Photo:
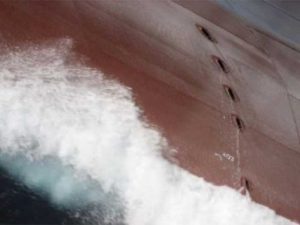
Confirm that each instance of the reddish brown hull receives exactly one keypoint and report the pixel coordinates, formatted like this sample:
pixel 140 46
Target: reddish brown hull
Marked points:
pixel 247 135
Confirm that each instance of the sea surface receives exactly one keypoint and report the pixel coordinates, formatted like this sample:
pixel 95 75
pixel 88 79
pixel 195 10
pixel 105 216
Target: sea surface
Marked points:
pixel 74 149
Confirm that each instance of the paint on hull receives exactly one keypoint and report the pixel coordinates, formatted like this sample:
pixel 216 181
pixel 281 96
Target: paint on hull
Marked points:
pixel 179 58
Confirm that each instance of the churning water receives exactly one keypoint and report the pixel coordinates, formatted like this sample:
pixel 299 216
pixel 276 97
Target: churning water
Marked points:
pixel 77 139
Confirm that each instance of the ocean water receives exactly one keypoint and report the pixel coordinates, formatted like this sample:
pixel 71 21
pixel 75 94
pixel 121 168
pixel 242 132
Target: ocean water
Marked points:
pixel 20 205
pixel 74 149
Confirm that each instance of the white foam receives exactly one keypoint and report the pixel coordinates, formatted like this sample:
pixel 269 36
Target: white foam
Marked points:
pixel 68 131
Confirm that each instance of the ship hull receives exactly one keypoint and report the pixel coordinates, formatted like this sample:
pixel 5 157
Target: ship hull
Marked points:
pixel 223 93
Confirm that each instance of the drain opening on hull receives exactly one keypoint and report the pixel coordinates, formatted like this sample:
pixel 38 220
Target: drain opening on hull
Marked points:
pixel 239 123
pixel 230 93
pixel 221 64
pixel 245 185
pixel 206 33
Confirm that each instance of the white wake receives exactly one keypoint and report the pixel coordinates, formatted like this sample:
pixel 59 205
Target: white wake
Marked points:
pixel 75 136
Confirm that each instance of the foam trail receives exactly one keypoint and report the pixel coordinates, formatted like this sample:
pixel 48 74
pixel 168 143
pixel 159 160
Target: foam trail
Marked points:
pixel 66 130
